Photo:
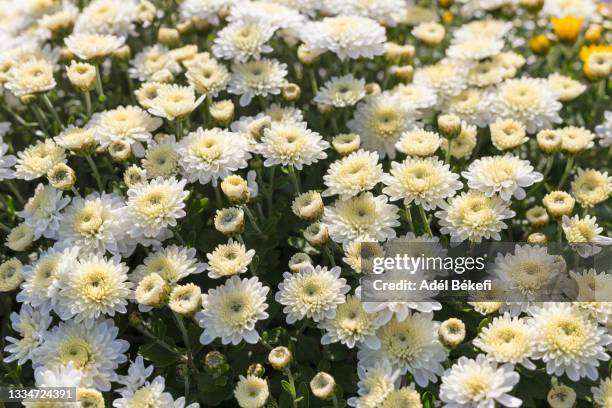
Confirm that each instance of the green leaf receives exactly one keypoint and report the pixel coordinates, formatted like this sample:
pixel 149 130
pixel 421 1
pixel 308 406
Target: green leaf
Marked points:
pixel 159 355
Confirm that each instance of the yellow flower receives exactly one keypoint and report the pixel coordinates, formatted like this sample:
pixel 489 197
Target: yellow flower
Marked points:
pixel 539 44
pixel 567 28
pixel 587 50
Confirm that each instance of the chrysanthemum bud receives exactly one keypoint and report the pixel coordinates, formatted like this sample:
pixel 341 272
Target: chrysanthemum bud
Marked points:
pixel 567 28
pixel 308 206
pixel 134 176
pixel 251 392
pixel 61 176
pixel 598 66
pixel 20 238
pixel 537 238
pixel 593 33
pixel 537 216
pixel 533 6
pixel 316 234
pixel 448 17
pixel 306 56
pixel 229 221
pixel 200 24
pixel 122 53
pixel 214 360
pixel 451 332
pixel 222 112
pixel 299 261
pixel 324 108
pixel 256 128
pixel 558 203
pixel 549 141
pixel 66 55
pixel 82 75
pixel 279 358
pixel 90 398
pixel 119 150
pixel 403 73
pixel 445 3
pixel 372 88
pixel 186 299
pixel 539 44
pixel 163 75
pixel 145 12
pixel 27 99
pixel 346 143
pixel 449 126
pixel 430 33
pixel 235 189
pixel 561 396
pixel 291 92
pixel 395 53
pixel 256 370
pixel 323 385
pixel 152 290
pixel 168 36
pixel 507 134
pixel 11 274
pixel 184 27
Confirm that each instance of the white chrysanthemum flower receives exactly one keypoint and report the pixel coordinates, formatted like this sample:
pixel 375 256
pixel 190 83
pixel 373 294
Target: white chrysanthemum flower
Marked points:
pixel 412 346
pixel 416 97
pixel 172 263
pixel 358 172
pixel 205 10
pixel 76 139
pixel 208 77
pixel 487 73
pixel 470 105
pixel 485 28
pixel 478 384
pixel 291 144
pixel 575 139
pixel 155 206
pixel 92 346
pixel 94 224
pixel 36 160
pixel 174 101
pixel 347 36
pixel 6 162
pixel 361 217
pixel 376 381
pixel 385 11
pixel 591 187
pixel 107 17
pixel 93 286
pixel 574 8
pixel 604 131
pixel 419 143
pixel 584 234
pixel 257 78
pixel 276 13
pixel 567 88
pixel 429 32
pixel 93 46
pixel 31 325
pixel 463 145
pixel 207 155
pixel 313 292
pixel 504 175
pixel 351 326
pixel 602 394
pixel 42 211
pixel 507 340
pixel 380 121
pixel 53 376
pixel 243 39
pixel 530 101
pixel 568 341
pixel 446 79
pixel 229 259
pixel 232 310
pixel 425 181
pixel 152 60
pixel 341 91
pixel 136 376
pixel 161 157
pixel 149 394
pixel 474 216
pixel 31 77
pixel 593 294
pixel 251 392
pixel 474 49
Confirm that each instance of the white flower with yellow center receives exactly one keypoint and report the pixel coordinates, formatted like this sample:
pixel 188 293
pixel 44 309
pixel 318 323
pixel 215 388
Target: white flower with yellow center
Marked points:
pixel 229 259
pixel 174 101
pixel 507 134
pixel 92 346
pixel 361 217
pixel 257 78
pixel 243 39
pixel 359 255
pixel 478 384
pixel 279 14
pixel 33 76
pixel 313 292
pixel 347 36
pixel 152 60
pixel 504 175
pixel 446 79
pixel 591 187
pixel 172 263
pixel 583 234
pixel 76 139
pixel 36 160
pixel 576 8
pixel 352 325
pixel 161 157
pixel 411 346
pixel 376 381
pixel 209 77
pixel 419 143
pixel 251 392
pixel 425 181
pixel 31 325
pixel 485 28
pixel 207 155
pixel 384 11
pixel 474 49
pixel 155 206
pixel 463 145
pixel 406 397
pixel 232 310
pixel 568 341
pixel 575 139
pixel 474 216
pixel 593 294
pixel 602 394
pixel 470 105
pixel 6 162
pixel 429 32
pixel 42 211
pixel 93 46
pixel 351 175
pixel 93 286
pixel 604 130
pixel 107 17
pixel 486 73
pixel 291 144
pixel 205 10
pixel 567 88
pixel 416 97
pixel 380 121
pixel 341 91
pixel 530 101
pixel 150 394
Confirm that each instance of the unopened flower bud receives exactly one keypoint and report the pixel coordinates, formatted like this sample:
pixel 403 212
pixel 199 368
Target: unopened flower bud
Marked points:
pixel 152 290
pixel 186 299
pixel 291 92
pixel 184 53
pixel 539 44
pixel 230 221
pixel 11 274
pixel 222 112
pixel 308 206
pixel 66 55
pixel 533 6
pixel 200 24
pixel 403 73
pixel 90 397
pixel 256 128
pixel 549 141
pixel 561 396
pixel 163 75
pixel 20 238
pixel 184 26
pixel 27 99
pixel 372 88
pixel 145 12
pixel 324 108
pixel 448 17
pixel 168 36
pixel 316 234
pixel 306 56
pixel 134 176
pixel 82 75
pixel 235 189
pixel 346 143
pixel 593 33
pixel 119 150
pixel 537 238
pixel 323 386
pixel 299 261
pixel 449 126
pixel 256 370
pixel 122 53
pixel 279 358
pixel 61 176
pixel 214 360
pixel 558 203
pixel 445 4
pixel 451 332
pixel 395 53
pixel 537 216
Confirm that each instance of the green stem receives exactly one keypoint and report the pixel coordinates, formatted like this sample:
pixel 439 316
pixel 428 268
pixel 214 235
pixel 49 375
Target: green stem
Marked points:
pixel 156 339
pixel 292 382
pixel 569 165
pixel 294 180
pixel 409 219
pixel 559 231
pixel 335 401
pixel 218 196
pixel 253 221
pixel 270 190
pixel 15 191
pixel 181 325
pixel 447 154
pixel 87 95
pixel 96 173
pixel 99 89
pixel 56 117
pixel 330 256
pixel 425 221
pixel 179 129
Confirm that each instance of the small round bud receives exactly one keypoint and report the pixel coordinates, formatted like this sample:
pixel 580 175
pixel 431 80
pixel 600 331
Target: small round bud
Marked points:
pixel 537 217
pixel 306 56
pixel 200 24
pixel 90 398
pixel 372 88
pixel 308 206
pixel 449 126
pixel 403 73
pixel 122 53
pixel 27 99
pixel 537 238
pixel 229 221
pixel 451 332
pixel 558 203
pixel 575 140
pixel 291 92
pixel 61 176
pixel 346 143
pixel 184 53
pixel 152 290
pixel 66 55
pixel 81 75
pixel 567 28
pixel 163 75
pixel 593 33
pixel 299 261
pixel 324 108
pixel 256 370
pixel 235 189
pixel 20 238
pixel 11 274
pixel 448 17
pixel 168 36
pixel 323 385
pixel 316 234
pixel 533 6
pixel 395 53
pixel 445 4
pixel 279 358
pixel 145 12
pixel 119 150
pixel 184 27
pixel 256 128
pixel 134 175
pixel 186 299
pixel 539 44
pixel 222 112
pixel 561 396
pixel 549 141
pixel 214 360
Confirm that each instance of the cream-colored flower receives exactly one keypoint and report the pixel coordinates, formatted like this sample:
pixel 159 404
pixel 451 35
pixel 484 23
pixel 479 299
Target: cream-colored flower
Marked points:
pixel 507 134
pixel 567 88
pixel 31 77
pixel 36 160
pixel 185 299
pixel 93 46
pixel 229 259
pixel 174 101
pixel 356 173
pixel 420 143
pixel 591 187
pixel 251 392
